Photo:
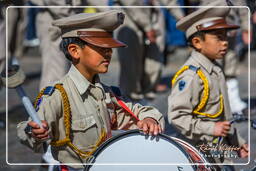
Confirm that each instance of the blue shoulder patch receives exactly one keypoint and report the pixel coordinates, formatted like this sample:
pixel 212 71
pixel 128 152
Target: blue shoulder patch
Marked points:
pixel 193 68
pixel 49 90
pixel 182 84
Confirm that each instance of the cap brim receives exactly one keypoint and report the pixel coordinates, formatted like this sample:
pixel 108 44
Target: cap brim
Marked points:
pixel 221 26
pixel 105 42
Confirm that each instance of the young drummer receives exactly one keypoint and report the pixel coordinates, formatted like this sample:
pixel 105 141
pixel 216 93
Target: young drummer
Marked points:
pixel 198 105
pixel 79 111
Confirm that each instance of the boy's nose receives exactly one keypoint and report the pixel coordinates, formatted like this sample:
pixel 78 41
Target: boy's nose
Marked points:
pixel 225 43
pixel 108 51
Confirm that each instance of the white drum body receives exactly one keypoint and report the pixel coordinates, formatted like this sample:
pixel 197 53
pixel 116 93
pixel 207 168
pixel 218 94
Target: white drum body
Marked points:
pixel 133 151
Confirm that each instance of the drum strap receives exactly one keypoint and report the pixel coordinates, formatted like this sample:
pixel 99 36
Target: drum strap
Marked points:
pixel 123 105
pixel 67 122
pixel 67 168
pixel 206 91
pixel 63 168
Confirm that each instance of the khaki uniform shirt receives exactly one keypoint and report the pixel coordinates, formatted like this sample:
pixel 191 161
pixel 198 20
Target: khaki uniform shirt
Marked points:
pixel 92 107
pixel 184 99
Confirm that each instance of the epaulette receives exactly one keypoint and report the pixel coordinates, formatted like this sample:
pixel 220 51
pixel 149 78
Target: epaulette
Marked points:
pixel 193 68
pixel 46 91
pixel 49 90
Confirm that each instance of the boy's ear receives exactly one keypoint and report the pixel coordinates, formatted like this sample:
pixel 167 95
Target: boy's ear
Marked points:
pixel 74 50
pixel 197 43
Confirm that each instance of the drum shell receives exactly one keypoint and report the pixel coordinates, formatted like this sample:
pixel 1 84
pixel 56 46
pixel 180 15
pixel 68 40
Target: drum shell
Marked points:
pixel 133 160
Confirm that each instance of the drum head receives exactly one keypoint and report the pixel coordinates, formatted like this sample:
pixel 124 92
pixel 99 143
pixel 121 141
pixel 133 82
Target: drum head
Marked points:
pixel 135 149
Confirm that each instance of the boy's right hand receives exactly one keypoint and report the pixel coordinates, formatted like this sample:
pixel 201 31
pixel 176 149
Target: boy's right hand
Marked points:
pixel 37 132
pixel 221 128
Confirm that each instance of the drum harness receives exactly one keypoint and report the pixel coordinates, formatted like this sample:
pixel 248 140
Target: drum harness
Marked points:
pixel 67 122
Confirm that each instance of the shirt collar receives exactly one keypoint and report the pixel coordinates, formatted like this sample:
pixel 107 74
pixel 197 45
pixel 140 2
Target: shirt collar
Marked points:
pixel 80 81
pixel 206 63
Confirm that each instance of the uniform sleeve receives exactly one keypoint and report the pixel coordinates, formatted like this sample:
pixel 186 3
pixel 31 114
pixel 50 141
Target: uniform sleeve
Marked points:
pixel 141 16
pixel 183 99
pixel 49 110
pixel 126 121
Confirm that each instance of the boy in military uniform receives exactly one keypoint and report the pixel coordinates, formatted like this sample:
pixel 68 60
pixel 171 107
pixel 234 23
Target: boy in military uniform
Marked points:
pixel 198 105
pixel 79 112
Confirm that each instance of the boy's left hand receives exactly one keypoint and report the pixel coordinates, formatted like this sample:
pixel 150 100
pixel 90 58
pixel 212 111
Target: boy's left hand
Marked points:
pixel 243 153
pixel 149 126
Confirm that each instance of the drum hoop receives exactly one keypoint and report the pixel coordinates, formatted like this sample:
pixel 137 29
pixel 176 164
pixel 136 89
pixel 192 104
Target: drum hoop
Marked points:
pixel 192 147
pixel 104 145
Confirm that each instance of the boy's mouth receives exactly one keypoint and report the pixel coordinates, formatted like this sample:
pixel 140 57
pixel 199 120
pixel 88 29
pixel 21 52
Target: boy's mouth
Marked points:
pixel 224 51
pixel 106 62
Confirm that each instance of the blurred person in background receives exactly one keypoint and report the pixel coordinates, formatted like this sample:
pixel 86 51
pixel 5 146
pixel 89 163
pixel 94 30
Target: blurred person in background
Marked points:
pixel 54 65
pixel 16 27
pixel 141 62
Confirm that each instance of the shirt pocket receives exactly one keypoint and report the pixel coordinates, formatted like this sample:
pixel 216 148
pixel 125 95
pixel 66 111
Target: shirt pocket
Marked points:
pixel 84 132
pixel 83 124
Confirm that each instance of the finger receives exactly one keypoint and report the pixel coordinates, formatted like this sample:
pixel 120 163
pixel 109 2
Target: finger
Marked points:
pixel 156 129
pixel 139 124
pixel 33 124
pixel 159 129
pixel 226 127
pixel 42 139
pixel 226 123
pixel 39 131
pixel 224 134
pixel 243 154
pixel 245 147
pixel 145 128
pixel 151 128
pixel 41 136
pixel 45 125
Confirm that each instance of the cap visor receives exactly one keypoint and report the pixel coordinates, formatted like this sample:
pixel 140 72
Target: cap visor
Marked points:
pixel 105 42
pixel 221 26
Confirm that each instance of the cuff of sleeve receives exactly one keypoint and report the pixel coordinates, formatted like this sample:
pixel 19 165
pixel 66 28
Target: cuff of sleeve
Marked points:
pixel 24 136
pixel 156 116
pixel 207 127
pixel 21 130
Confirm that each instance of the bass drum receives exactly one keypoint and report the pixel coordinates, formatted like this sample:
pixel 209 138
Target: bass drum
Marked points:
pixel 132 150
